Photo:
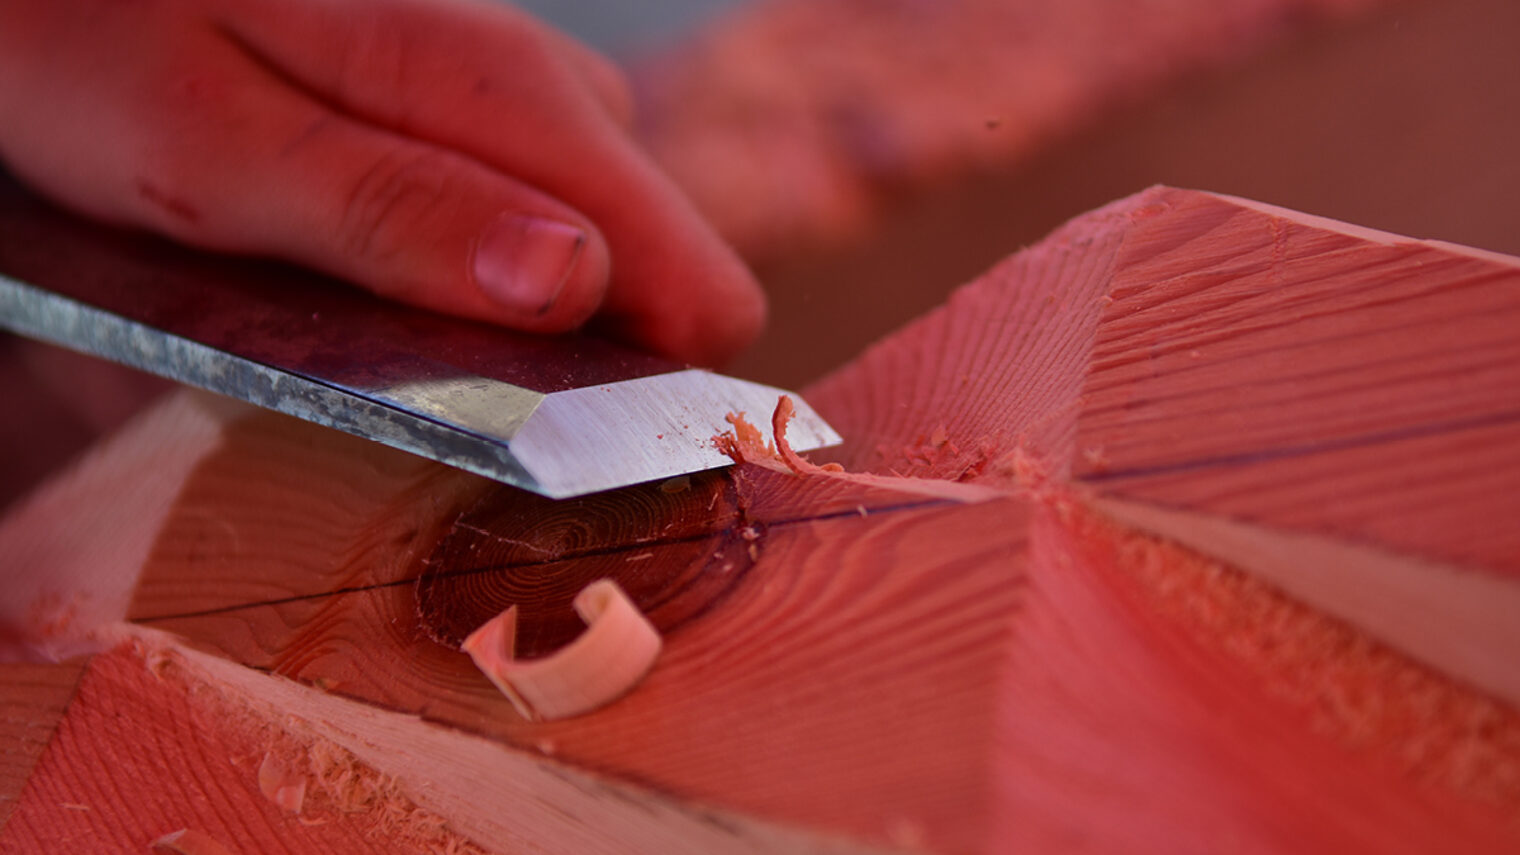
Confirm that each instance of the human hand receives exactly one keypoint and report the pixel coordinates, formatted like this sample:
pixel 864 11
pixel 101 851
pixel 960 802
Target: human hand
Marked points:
pixel 456 155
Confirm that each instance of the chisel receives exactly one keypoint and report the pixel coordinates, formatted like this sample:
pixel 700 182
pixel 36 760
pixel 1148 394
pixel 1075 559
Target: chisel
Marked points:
pixel 559 415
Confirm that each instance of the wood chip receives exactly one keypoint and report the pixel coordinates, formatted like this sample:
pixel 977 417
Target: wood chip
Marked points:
pixel 617 649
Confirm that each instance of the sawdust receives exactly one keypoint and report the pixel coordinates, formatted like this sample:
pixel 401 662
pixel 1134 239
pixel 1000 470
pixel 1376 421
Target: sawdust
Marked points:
pixel 1353 688
pixel 335 785
pixel 794 461
pixel 189 841
pixel 747 445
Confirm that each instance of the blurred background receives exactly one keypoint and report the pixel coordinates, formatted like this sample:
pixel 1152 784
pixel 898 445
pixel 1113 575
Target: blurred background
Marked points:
pixel 620 28
pixel 869 158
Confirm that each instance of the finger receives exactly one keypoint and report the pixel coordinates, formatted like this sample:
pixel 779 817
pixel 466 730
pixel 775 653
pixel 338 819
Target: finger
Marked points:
pixel 479 82
pixel 254 166
pixel 427 226
pixel 606 80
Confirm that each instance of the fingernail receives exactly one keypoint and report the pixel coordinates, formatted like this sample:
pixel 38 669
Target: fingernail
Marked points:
pixel 523 262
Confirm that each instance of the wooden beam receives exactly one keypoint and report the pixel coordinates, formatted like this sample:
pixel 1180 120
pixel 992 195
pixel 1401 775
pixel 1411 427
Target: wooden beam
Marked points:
pixel 1014 616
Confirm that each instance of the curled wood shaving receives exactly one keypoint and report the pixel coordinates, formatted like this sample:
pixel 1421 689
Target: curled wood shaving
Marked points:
pixel 794 461
pixel 188 841
pixel 614 653
pixel 745 444
pixel 281 784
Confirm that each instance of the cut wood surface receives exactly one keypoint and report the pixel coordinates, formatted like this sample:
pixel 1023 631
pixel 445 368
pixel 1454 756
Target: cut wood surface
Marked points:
pixel 1125 551
pixel 33 699
pixel 141 755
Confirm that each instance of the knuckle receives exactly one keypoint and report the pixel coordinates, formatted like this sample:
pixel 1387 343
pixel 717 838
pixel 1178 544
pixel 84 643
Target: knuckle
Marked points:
pixel 167 205
pixel 178 127
pixel 169 169
pixel 519 35
pixel 396 197
pixel 617 91
pixel 529 49
pixel 377 51
pixel 535 50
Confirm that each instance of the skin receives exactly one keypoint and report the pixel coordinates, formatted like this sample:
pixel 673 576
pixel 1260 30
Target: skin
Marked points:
pixel 459 156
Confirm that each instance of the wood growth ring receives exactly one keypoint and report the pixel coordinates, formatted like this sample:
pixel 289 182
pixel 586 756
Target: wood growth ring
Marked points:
pixel 676 549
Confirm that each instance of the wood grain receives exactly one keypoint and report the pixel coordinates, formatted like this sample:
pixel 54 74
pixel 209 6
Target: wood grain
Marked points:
pixel 995 370
pixel 509 800
pixel 139 756
pixel 737 682
pixel 256 532
pixel 1251 359
pixel 33 699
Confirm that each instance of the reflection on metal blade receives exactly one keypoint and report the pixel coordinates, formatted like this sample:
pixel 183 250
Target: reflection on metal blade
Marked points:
pixel 590 439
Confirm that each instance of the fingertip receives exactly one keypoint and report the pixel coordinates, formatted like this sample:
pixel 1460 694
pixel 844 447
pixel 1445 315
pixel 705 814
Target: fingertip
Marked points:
pixel 614 91
pixel 727 306
pixel 710 322
pixel 539 273
pixel 605 79
pixel 729 325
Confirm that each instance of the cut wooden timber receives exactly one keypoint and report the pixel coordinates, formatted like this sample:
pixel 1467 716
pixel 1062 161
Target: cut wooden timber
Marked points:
pixel 1126 555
